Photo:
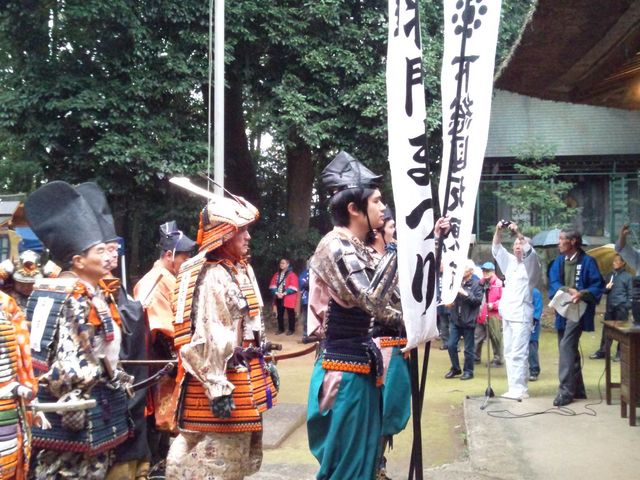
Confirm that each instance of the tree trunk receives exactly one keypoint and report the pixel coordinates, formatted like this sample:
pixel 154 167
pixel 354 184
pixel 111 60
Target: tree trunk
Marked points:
pixel 300 172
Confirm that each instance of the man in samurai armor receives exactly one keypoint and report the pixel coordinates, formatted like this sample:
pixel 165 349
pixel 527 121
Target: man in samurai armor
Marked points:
pixel 75 340
pixel 17 387
pixel 348 290
pixel 390 339
pixel 223 383
pixel 19 278
pixel 155 292
pixel 130 459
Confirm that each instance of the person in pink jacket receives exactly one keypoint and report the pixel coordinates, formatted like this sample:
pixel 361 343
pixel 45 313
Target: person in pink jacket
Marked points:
pixel 284 288
pixel 489 312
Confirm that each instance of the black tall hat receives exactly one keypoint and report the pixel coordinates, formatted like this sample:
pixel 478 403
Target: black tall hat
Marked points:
pixel 94 195
pixel 345 172
pixel 63 220
pixel 171 238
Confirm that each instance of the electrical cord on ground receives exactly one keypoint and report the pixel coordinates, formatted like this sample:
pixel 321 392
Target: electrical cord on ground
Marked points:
pixel 561 411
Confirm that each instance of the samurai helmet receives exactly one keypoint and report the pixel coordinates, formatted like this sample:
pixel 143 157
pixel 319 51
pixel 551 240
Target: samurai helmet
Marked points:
pixel 345 172
pixel 28 269
pixel 221 218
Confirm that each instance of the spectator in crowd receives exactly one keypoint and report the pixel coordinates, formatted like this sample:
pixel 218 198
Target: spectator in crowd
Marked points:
pixel 284 288
pixel 464 312
pixel 577 274
pixel 521 272
pixel 444 317
pixel 626 251
pixel 534 358
pixel 492 287
pixel 618 290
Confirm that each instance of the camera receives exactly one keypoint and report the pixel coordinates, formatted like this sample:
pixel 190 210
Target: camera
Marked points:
pixel 505 223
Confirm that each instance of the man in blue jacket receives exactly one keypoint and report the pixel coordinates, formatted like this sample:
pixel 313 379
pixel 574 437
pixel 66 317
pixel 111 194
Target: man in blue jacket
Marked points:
pixel 577 274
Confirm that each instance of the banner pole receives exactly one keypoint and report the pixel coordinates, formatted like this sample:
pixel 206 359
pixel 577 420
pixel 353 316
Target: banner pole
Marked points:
pixel 415 467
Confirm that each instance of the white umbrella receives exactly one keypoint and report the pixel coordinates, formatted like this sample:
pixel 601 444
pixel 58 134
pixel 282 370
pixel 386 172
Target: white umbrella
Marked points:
pixel 550 238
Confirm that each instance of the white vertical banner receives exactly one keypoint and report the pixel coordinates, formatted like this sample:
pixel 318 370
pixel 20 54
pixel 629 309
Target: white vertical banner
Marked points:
pixel 470 37
pixel 410 173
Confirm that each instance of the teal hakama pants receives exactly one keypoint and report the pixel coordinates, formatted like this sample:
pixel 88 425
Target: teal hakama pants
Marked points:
pixel 396 395
pixel 345 438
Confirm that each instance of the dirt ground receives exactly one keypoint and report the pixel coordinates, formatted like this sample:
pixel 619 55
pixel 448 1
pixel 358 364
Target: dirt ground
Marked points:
pixel 443 427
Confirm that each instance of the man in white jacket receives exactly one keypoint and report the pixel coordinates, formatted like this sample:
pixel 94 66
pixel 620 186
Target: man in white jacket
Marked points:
pixel 522 272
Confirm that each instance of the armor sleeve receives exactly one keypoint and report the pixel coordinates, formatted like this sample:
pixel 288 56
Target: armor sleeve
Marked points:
pixel 216 307
pixel 74 364
pixel 25 369
pixel 355 280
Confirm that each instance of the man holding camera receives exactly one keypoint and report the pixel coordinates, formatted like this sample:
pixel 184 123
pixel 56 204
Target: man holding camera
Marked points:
pixel 522 272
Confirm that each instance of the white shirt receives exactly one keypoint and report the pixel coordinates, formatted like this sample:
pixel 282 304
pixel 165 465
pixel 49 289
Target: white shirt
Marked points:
pixel 516 304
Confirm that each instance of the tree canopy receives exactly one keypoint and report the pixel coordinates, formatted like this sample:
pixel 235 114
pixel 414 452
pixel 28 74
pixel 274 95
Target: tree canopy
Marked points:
pixel 116 91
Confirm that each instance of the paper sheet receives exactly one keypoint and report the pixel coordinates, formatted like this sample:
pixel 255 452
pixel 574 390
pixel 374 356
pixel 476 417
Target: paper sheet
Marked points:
pixel 561 303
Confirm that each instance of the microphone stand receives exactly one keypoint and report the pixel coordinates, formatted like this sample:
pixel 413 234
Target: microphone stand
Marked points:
pixel 488 393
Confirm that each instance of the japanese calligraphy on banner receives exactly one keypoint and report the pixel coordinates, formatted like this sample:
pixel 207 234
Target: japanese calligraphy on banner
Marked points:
pixel 470 36
pixel 410 173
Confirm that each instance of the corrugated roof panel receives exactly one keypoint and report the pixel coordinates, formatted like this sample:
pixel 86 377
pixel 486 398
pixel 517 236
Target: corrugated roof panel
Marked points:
pixel 575 130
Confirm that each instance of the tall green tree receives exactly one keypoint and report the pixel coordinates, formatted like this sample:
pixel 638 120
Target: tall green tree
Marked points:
pixel 538 199
pixel 105 91
pixel 116 91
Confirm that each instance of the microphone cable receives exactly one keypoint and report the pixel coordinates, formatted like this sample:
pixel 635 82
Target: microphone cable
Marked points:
pixel 562 411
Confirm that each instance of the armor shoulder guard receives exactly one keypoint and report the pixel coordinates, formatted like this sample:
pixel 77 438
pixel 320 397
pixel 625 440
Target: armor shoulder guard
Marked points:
pixel 43 312
pixel 350 267
pixel 8 357
pixel 56 285
pixel 345 257
pixel 183 298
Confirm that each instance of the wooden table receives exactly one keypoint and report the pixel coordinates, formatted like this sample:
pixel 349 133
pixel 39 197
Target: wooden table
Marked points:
pixel 629 337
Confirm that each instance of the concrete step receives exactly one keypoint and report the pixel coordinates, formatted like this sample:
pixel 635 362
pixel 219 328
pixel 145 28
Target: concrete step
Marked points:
pixel 280 422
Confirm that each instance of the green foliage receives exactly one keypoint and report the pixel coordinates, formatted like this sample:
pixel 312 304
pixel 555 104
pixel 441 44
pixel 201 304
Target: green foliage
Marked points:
pixel 512 18
pixel 115 91
pixel 104 91
pixel 538 201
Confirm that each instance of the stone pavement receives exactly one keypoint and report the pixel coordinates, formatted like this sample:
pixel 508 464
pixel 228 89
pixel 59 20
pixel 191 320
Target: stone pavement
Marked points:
pixel 280 422
pixel 576 445
pixel 551 445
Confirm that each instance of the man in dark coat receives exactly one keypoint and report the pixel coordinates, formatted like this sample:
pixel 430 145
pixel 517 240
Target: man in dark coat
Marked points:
pixel 576 273
pixel 618 290
pixel 464 312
